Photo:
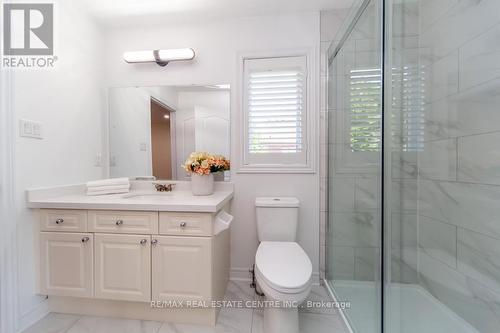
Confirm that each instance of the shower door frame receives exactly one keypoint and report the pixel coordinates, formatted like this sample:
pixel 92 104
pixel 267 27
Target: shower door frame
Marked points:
pixel 384 7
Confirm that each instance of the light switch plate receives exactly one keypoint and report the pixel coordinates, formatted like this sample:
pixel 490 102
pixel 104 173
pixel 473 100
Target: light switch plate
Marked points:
pixel 30 129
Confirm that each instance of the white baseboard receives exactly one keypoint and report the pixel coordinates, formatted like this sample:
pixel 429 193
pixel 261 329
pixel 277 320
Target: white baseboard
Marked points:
pixel 242 274
pixel 31 317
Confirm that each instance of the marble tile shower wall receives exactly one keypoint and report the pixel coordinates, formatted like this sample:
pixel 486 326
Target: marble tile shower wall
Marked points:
pixel 459 166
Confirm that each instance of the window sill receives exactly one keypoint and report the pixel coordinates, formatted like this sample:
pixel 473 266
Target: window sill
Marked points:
pixel 269 169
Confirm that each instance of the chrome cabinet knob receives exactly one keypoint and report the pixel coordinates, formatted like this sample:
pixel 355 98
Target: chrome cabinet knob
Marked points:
pixel 183 224
pixel 154 242
pixel 85 239
pixel 143 241
pixel 59 221
pixel 119 222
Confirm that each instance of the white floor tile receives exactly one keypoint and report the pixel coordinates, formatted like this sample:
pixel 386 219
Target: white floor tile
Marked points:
pixel 239 291
pixel 230 321
pixel 53 323
pixel 89 324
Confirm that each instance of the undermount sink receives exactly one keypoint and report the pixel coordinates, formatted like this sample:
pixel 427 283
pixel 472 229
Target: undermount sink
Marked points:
pixel 134 195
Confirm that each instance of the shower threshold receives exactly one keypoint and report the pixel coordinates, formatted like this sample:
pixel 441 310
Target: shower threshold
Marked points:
pixel 412 308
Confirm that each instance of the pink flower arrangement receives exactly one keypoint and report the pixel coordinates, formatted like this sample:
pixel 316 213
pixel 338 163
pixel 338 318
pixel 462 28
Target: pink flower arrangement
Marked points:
pixel 204 163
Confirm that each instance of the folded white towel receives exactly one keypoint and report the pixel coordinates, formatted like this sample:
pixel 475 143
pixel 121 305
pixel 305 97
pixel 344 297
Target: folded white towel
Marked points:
pixel 117 190
pixel 107 188
pixel 109 182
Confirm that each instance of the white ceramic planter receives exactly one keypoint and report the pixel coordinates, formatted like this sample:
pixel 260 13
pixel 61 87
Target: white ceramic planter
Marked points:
pixel 202 184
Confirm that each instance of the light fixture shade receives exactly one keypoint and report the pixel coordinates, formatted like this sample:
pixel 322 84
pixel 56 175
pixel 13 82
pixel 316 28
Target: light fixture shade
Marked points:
pixel 139 56
pixel 161 57
pixel 176 54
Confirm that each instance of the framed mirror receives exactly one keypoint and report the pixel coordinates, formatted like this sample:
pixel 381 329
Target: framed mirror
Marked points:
pixel 152 130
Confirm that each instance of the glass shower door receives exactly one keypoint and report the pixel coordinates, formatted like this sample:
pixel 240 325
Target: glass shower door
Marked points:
pixel 355 167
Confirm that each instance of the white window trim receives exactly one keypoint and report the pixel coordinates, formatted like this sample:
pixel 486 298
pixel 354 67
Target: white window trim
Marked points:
pixel 312 113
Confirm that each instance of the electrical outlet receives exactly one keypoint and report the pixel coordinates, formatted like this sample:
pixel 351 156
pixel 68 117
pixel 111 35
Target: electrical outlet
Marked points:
pixel 30 129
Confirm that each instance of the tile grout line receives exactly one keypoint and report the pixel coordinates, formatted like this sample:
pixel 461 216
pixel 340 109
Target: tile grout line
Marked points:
pixel 73 324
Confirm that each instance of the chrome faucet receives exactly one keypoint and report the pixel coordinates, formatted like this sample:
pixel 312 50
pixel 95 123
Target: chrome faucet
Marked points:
pixel 164 187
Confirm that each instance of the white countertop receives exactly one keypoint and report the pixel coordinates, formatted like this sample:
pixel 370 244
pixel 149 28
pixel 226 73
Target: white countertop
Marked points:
pixel 179 200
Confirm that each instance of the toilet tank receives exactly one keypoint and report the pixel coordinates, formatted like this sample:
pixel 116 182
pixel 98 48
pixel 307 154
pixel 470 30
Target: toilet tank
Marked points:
pixel 277 218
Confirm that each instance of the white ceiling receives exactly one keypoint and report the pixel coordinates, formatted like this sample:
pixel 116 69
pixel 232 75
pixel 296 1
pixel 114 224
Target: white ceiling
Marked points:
pixel 119 12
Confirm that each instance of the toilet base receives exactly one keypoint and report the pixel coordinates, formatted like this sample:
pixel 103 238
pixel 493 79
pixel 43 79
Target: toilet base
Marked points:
pixel 280 320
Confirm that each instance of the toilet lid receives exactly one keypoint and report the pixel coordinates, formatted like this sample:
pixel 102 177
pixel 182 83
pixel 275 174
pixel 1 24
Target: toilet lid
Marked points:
pixel 284 266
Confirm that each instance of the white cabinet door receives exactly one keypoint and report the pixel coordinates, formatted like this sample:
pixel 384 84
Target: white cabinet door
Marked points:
pixel 182 268
pixel 66 264
pixel 123 267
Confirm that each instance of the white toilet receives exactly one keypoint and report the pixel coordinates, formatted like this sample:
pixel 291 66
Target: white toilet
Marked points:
pixel 282 268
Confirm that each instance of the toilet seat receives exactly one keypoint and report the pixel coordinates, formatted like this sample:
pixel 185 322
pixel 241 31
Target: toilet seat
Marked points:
pixel 284 267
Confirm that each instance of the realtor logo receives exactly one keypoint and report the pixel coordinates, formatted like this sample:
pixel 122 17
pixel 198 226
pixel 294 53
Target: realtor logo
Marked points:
pixel 28 29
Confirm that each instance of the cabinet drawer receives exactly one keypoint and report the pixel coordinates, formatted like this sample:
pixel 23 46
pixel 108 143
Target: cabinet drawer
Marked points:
pixel 63 220
pixel 194 224
pixel 123 222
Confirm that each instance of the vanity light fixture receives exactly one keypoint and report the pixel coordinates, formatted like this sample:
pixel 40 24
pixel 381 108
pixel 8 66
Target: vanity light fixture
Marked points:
pixel 161 57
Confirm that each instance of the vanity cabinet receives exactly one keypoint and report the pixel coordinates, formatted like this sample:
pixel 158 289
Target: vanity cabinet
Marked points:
pixel 131 258
pixel 66 264
pixel 144 255
pixel 123 267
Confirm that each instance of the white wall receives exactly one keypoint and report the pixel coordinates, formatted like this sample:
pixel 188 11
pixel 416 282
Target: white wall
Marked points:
pixel 217 45
pixel 68 100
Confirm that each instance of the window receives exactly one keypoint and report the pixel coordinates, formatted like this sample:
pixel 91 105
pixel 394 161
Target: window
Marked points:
pixel 364 100
pixel 365 110
pixel 275 111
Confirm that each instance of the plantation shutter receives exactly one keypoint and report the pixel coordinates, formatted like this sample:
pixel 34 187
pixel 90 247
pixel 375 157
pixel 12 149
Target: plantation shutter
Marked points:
pixel 275 110
pixel 365 109
pixel 365 113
